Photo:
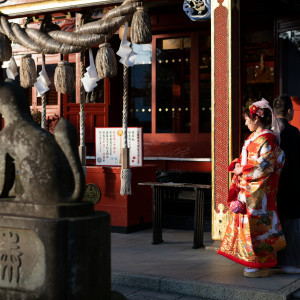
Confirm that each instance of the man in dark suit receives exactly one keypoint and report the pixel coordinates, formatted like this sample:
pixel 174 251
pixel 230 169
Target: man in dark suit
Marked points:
pixel 288 197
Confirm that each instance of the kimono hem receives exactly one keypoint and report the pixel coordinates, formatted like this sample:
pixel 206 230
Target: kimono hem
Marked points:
pixel 253 238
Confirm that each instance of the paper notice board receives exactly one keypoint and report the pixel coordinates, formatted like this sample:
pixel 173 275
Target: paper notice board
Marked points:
pixel 108 143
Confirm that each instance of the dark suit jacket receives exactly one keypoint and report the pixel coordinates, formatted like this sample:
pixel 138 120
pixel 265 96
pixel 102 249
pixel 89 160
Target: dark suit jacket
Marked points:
pixel 288 197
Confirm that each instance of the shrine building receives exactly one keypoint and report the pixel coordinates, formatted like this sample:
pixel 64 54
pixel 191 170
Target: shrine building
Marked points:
pixel 186 91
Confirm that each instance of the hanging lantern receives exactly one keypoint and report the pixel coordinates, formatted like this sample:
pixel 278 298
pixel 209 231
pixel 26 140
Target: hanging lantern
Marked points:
pixel 28 74
pixel 140 31
pixel 64 78
pixel 106 63
pixel 5 48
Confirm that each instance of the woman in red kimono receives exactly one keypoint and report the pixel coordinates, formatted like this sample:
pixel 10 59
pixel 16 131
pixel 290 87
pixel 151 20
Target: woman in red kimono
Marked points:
pixel 254 234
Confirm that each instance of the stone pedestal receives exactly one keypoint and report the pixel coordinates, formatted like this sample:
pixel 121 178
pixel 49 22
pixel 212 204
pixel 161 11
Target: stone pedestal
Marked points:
pixel 54 251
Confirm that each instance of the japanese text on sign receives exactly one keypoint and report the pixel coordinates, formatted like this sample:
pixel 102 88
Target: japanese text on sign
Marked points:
pixel 108 143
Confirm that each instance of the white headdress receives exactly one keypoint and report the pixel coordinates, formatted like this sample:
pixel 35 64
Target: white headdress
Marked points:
pixel 277 125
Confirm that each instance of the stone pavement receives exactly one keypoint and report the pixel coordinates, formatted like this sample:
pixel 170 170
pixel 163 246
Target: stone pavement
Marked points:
pixel 173 270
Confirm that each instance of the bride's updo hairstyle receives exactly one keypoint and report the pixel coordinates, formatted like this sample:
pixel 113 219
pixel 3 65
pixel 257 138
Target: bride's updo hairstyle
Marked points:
pixel 264 114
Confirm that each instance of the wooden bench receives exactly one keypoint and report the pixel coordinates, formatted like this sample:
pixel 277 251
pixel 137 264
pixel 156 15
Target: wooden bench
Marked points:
pixel 164 191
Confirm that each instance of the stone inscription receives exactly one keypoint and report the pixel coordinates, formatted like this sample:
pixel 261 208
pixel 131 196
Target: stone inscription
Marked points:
pixel 10 256
pixel 22 259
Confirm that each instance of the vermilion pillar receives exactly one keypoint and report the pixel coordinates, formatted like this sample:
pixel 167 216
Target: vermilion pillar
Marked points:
pixel 225 104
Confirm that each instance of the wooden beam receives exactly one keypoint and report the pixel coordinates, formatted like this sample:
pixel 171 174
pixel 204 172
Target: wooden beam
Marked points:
pixel 31 8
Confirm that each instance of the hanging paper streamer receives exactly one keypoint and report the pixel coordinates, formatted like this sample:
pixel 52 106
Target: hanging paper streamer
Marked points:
pixel 11 70
pixel 125 52
pixel 91 76
pixel 42 83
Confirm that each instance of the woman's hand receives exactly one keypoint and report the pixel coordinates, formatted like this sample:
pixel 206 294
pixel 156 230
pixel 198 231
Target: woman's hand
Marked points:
pixel 238 169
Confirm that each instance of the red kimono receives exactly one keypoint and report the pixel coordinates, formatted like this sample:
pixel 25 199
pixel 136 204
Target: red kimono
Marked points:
pixel 253 237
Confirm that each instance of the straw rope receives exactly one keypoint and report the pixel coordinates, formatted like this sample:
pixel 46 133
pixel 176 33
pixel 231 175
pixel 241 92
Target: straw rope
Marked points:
pixel 82 95
pixel 82 148
pixel 55 41
pixel 44 97
pixel 82 100
pixel 23 37
pixel 125 188
pixel 125 107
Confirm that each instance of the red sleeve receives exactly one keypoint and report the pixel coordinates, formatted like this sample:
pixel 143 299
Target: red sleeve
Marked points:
pixel 232 165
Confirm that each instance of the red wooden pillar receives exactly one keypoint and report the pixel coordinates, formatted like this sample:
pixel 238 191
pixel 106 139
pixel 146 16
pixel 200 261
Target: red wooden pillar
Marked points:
pixel 225 104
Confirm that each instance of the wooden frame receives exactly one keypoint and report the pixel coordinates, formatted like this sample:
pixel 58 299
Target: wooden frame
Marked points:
pixel 282 25
pixel 184 138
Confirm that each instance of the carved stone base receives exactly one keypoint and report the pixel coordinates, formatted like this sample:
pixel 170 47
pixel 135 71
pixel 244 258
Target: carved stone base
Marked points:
pixel 55 258
pixel 46 210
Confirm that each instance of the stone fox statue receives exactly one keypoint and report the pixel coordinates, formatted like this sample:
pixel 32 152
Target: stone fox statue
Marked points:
pixel 49 166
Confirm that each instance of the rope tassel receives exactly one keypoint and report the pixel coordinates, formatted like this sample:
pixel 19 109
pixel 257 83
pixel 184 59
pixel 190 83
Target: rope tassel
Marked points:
pixel 141 32
pixel 106 63
pixel 125 188
pixel 5 48
pixel 64 78
pixel 28 74
pixel 125 182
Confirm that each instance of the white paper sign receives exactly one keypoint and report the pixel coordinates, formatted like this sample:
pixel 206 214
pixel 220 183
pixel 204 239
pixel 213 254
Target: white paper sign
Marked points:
pixel 108 143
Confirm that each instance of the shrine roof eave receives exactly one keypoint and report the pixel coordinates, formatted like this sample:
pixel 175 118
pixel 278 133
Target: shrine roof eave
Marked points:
pixel 20 8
